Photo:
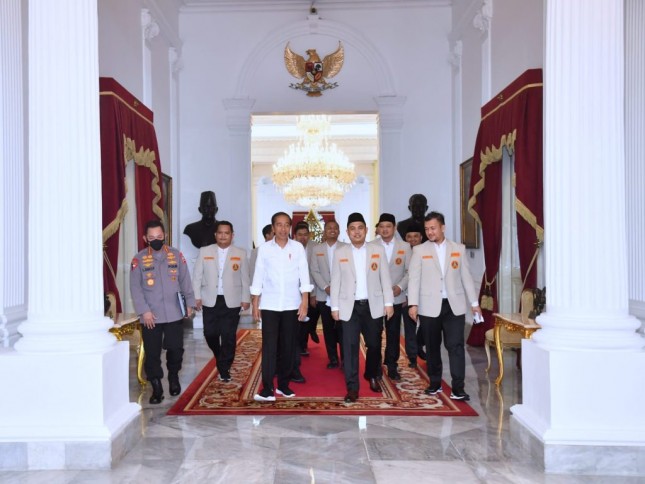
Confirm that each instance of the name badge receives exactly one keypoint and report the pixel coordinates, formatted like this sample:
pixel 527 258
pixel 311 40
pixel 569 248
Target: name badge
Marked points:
pixel 427 257
pixel 235 258
pixel 455 254
pixel 344 260
pixel 401 252
pixel 209 258
pixel 375 256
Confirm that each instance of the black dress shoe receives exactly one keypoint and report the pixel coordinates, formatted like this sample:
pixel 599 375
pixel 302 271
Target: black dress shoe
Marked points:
pixel 394 375
pixel 459 395
pixel 297 377
pixel 157 391
pixel 332 364
pixel 374 385
pixel 314 337
pixel 433 389
pixel 351 397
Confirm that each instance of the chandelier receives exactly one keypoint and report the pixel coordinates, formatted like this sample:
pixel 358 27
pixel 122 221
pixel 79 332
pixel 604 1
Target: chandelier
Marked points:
pixel 313 172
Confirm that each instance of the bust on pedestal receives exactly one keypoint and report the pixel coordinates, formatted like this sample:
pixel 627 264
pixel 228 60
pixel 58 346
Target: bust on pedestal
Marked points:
pixel 202 233
pixel 418 205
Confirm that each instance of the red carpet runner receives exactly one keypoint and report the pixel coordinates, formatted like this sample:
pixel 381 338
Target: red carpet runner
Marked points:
pixel 322 394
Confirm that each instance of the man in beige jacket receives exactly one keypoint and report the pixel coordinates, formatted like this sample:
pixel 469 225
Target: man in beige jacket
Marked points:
pixel 221 286
pixel 439 283
pixel 361 294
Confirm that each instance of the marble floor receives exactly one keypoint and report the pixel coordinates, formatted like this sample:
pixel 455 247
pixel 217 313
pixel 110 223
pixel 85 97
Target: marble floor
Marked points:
pixel 332 449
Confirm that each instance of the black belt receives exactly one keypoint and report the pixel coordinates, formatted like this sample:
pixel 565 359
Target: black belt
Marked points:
pixel 361 302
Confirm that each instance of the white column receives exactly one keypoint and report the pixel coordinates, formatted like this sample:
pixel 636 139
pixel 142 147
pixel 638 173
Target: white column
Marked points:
pixel 456 52
pixel 390 120
pixel 635 151
pixel 13 201
pixel 482 21
pixel 149 30
pixel 65 245
pixel 581 397
pixel 66 357
pixel 238 121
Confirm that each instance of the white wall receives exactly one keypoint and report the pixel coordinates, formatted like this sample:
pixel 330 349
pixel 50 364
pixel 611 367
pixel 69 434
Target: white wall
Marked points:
pixel 402 52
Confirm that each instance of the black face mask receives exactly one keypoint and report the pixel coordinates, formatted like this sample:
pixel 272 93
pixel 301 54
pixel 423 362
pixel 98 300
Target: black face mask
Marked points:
pixel 156 244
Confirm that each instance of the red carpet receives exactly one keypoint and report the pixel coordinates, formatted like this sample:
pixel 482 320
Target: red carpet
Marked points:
pixel 323 394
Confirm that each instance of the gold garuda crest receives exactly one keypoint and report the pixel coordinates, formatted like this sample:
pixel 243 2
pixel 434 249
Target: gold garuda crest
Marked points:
pixel 314 72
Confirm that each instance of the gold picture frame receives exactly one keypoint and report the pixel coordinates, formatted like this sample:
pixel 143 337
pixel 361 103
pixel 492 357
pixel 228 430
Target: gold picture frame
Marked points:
pixel 469 226
pixel 166 193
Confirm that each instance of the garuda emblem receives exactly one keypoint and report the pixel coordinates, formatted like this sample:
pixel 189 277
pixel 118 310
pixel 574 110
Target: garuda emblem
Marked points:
pixel 314 72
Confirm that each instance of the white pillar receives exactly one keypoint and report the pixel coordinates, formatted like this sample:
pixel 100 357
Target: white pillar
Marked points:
pixel 67 404
pixel 238 121
pixel 13 202
pixel 581 396
pixel 635 151
pixel 390 120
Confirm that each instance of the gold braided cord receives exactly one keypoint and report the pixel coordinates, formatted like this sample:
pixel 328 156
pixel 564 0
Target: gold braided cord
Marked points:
pixel 113 227
pixel 112 93
pixel 516 93
pixel 530 218
pixel 145 158
pixel 489 156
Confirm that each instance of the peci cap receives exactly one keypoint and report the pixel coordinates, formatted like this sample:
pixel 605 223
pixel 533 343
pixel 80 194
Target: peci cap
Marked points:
pixel 386 217
pixel 355 217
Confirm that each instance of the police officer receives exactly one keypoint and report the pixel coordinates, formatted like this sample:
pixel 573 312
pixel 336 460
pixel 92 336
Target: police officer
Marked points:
pixel 158 274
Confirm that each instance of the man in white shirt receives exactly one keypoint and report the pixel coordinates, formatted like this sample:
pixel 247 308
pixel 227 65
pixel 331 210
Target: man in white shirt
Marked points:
pixel 438 278
pixel 321 263
pixel 360 293
pixel 221 286
pixel 398 255
pixel 279 298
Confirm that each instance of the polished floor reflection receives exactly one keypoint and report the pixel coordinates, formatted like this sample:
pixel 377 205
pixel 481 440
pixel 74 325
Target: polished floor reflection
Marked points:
pixel 333 449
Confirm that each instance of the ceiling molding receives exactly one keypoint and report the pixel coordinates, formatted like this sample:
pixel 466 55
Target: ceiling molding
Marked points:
pixel 200 6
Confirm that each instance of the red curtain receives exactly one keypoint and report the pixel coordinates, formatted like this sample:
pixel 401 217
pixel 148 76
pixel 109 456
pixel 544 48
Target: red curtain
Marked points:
pixel 127 134
pixel 511 121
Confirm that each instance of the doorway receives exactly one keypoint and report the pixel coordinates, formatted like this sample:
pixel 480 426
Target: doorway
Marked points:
pixel 355 134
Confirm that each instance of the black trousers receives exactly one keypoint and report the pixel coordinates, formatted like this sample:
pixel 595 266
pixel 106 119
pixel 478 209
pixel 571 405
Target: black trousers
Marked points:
pixel 306 328
pixel 392 339
pixel 168 336
pixel 413 341
pixel 220 331
pixel 361 321
pixel 332 332
pixel 451 327
pixel 279 334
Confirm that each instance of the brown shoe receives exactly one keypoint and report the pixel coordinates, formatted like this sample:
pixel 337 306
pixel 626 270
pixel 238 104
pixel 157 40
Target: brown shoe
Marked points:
pixel 351 397
pixel 374 385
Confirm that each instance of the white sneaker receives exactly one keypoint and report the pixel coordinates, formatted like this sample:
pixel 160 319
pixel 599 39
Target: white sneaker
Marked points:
pixel 264 397
pixel 287 392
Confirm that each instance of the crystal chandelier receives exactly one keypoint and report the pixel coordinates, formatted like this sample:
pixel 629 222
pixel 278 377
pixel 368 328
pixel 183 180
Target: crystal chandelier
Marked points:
pixel 313 172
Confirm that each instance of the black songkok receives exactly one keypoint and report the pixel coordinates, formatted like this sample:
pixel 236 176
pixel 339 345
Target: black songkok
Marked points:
pixel 355 217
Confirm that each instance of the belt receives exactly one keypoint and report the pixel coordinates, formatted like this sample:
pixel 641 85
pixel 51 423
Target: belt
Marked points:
pixel 361 302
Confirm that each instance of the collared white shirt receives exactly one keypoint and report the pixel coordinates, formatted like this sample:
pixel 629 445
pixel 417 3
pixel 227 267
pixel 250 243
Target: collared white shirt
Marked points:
pixel 389 248
pixel 441 254
pixel 281 275
pixel 330 258
pixel 360 263
pixel 221 259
